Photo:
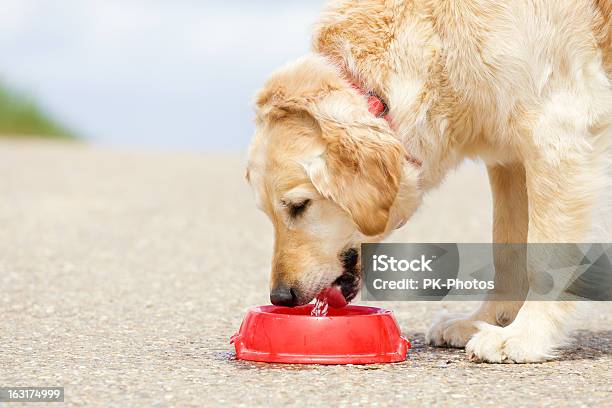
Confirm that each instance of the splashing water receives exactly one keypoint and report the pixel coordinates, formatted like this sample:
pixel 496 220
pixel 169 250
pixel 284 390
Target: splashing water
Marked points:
pixel 320 307
pixel 330 297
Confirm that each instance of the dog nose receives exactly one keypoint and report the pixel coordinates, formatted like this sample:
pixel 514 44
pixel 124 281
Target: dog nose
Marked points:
pixel 283 295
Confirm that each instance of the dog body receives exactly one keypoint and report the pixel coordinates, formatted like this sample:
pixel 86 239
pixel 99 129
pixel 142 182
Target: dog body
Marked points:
pixel 524 86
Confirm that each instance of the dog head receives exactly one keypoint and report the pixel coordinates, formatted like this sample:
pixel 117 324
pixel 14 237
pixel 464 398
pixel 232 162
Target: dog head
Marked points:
pixel 329 175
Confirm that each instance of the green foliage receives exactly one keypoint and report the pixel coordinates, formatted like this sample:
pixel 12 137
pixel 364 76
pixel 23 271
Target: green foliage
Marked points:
pixel 20 116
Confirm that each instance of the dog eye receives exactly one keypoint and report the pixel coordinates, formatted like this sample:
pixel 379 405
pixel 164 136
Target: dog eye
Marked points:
pixel 295 210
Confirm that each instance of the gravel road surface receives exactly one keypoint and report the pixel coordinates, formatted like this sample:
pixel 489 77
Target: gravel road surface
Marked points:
pixel 123 275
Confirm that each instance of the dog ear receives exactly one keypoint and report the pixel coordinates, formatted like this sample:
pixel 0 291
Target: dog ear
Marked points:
pixel 361 168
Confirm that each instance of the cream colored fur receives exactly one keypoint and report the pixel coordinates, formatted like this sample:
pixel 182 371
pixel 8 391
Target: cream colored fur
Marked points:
pixel 524 86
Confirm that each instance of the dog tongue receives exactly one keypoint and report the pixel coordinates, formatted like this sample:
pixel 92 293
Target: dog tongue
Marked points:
pixel 334 297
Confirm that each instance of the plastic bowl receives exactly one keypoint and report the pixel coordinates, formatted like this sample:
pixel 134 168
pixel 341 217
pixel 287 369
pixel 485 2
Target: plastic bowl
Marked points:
pixel 351 335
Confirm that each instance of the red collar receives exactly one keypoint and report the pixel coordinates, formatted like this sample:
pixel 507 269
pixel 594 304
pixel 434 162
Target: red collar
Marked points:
pixel 379 108
pixel 376 104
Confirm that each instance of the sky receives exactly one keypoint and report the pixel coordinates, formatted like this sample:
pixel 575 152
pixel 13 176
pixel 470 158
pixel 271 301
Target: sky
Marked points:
pixel 157 74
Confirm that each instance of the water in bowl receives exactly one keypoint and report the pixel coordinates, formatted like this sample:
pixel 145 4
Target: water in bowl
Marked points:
pixel 320 307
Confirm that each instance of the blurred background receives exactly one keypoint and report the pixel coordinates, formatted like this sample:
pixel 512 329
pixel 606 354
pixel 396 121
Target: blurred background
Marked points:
pixel 150 74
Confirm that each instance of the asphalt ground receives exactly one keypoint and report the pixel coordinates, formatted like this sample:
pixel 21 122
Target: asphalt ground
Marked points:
pixel 123 275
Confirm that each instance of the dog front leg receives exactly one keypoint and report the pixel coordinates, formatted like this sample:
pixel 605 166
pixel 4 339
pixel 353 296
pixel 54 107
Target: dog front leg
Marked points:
pixel 561 193
pixel 510 221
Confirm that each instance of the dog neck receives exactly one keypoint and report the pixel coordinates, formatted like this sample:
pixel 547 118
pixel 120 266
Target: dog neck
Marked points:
pixel 412 81
pixel 379 108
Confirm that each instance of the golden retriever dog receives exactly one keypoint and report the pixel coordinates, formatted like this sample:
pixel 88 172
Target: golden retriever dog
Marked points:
pixel 523 85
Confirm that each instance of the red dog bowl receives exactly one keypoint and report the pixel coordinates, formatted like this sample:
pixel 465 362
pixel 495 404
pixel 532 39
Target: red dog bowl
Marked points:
pixel 351 335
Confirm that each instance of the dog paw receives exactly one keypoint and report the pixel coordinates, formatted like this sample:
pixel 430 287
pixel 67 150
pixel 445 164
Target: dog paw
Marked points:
pixel 452 330
pixel 493 344
pixel 459 332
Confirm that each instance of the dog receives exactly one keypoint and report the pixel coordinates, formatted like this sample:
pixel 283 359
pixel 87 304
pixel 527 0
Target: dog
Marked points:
pixel 394 95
